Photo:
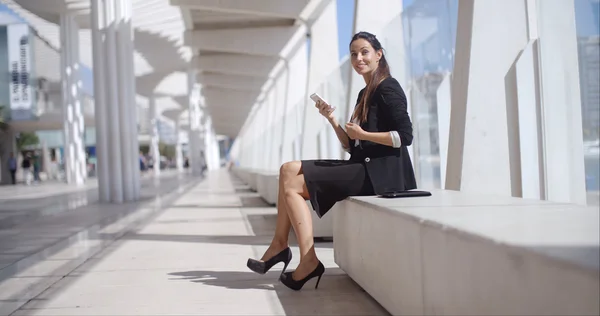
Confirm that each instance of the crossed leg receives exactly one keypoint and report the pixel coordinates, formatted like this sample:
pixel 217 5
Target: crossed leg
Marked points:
pixel 282 227
pixel 292 211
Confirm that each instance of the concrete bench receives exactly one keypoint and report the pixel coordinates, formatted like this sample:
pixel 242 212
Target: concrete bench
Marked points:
pixel 242 173
pixel 457 253
pixel 251 179
pixel 248 176
pixel 267 184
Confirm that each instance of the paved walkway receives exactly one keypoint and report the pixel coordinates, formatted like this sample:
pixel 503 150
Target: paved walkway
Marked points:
pixel 43 239
pixel 190 258
pixel 52 188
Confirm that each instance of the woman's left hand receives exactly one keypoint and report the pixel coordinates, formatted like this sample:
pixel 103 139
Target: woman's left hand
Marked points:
pixel 354 131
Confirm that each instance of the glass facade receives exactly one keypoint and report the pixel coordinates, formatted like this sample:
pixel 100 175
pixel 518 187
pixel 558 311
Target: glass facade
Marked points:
pixel 587 18
pixel 429 37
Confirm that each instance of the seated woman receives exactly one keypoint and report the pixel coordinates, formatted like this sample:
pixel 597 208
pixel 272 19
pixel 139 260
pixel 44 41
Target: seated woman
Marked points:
pixel 376 139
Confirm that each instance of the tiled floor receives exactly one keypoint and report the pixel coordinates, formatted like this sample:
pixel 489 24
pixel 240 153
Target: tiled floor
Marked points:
pixel 28 225
pixel 43 239
pixel 191 260
pixel 51 188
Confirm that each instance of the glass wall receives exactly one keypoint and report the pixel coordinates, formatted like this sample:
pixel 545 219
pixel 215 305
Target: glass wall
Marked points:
pixel 429 31
pixel 587 18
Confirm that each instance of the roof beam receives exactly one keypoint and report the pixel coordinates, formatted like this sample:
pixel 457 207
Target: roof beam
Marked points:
pixel 267 8
pixel 212 92
pixel 231 81
pixel 228 97
pixel 237 64
pixel 264 41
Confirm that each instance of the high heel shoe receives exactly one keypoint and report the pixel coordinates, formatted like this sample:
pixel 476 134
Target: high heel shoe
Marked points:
pixel 263 267
pixel 287 280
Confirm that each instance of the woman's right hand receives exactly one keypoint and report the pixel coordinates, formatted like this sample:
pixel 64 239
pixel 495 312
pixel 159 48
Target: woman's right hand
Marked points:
pixel 325 110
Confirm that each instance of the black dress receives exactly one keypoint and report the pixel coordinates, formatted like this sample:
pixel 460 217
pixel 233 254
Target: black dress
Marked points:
pixel 329 181
pixel 372 168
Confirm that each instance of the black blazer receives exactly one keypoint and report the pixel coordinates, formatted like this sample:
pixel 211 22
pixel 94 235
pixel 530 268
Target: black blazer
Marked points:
pixel 389 169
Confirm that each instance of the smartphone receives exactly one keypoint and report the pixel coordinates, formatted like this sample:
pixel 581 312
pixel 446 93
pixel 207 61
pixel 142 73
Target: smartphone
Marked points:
pixel 402 194
pixel 315 97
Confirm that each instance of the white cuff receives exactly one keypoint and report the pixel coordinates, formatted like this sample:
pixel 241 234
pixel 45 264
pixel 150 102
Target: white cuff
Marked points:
pixel 396 143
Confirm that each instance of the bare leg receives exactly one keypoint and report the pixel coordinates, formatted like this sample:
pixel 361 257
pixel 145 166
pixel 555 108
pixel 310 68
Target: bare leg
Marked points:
pixel 296 194
pixel 282 228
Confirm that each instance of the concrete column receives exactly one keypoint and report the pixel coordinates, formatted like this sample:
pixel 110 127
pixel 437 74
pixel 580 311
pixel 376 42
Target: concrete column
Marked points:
pixel 45 159
pixel 114 87
pixel 102 164
pixel 154 138
pixel 270 126
pixel 287 104
pixel 73 127
pixel 195 126
pixel 444 98
pixel 123 35
pixel 131 97
pixel 211 144
pixel 561 102
pixel 178 147
pixel 112 99
pixel 323 61
pixel 481 124
pixel 295 98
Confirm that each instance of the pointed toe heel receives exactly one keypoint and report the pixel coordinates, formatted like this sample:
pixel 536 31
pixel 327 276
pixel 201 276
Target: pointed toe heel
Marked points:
pixel 262 267
pixel 287 280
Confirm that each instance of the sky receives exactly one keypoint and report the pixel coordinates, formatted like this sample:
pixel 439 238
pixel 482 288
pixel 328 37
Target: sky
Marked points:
pixel 587 17
pixel 345 15
pixel 7 16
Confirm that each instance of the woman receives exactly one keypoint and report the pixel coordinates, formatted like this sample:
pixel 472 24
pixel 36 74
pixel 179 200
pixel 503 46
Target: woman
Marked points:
pixel 376 140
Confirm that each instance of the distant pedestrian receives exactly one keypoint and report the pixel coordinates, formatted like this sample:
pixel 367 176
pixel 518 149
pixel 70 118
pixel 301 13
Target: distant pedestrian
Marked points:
pixel 12 167
pixel 26 166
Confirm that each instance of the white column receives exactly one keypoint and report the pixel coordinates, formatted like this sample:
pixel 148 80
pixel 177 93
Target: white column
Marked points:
pixel 154 152
pixel 131 90
pixel 178 147
pixel 112 94
pixel 72 108
pixel 444 98
pixel 479 148
pixel 194 117
pixel 284 143
pixel 561 102
pixel 123 35
pixel 322 62
pixel 102 164
pixel 211 147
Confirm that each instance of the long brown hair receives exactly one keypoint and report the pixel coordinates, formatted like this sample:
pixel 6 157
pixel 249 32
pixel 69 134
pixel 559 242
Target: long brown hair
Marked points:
pixel 381 73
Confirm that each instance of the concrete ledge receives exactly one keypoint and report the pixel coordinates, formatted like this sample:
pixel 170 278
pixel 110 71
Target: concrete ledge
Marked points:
pixel 248 176
pixel 241 173
pixel 322 227
pixel 252 180
pixel 463 254
pixel 267 185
